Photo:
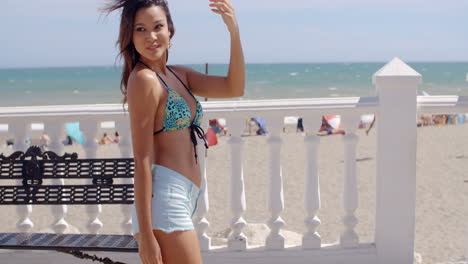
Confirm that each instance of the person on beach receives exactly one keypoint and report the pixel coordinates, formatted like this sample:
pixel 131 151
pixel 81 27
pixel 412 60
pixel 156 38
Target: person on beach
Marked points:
pixel 300 126
pixel 165 120
pixel 44 141
pixel 117 138
pixel 105 139
pixel 68 141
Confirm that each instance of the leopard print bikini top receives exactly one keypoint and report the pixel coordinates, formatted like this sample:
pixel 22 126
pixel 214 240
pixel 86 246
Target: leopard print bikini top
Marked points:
pixel 178 114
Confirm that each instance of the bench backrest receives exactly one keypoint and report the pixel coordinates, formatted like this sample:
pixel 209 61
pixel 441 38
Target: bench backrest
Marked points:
pixel 33 166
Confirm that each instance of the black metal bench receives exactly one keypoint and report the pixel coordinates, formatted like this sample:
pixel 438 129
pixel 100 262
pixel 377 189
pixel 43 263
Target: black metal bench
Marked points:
pixel 33 166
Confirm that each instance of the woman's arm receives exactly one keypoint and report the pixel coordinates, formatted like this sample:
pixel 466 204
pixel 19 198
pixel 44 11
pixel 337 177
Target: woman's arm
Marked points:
pixel 219 86
pixel 143 98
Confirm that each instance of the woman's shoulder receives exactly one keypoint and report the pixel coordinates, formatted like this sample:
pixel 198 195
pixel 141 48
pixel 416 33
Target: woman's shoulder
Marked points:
pixel 142 82
pixel 140 75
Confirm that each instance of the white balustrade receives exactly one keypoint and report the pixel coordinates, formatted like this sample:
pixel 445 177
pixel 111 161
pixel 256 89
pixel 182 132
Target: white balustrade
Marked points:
pixel 90 127
pixel 125 147
pixel 20 129
pixel 395 106
pixel 56 130
pixel 276 198
pixel 237 239
pixel 349 238
pixel 200 221
pixel 311 239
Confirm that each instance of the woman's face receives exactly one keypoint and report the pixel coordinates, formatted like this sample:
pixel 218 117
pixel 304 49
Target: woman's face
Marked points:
pixel 151 33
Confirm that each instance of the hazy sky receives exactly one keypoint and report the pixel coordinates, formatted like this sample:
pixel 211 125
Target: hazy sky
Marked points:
pixel 47 33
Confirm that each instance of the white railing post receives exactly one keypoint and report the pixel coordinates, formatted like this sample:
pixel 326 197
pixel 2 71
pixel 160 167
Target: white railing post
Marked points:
pixel 396 85
pixel 466 226
pixel 19 129
pixel 349 238
pixel 199 219
pixel 237 239
pixel 125 146
pixel 56 131
pixel 89 127
pixel 276 198
pixel 312 239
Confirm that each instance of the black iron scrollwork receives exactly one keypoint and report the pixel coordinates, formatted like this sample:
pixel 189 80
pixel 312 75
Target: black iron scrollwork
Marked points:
pixel 35 152
pixel 32 173
pixel 14 156
pixel 49 155
pixel 32 169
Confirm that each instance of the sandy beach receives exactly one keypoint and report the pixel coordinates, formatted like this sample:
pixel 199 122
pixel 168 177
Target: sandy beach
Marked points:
pixel 442 163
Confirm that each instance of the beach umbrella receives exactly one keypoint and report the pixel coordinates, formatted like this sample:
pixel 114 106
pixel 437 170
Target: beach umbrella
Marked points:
pixel 334 121
pixel 73 130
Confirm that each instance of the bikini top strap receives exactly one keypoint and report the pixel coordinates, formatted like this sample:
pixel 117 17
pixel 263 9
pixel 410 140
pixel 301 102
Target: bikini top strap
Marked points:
pixel 190 92
pixel 156 74
pixel 162 81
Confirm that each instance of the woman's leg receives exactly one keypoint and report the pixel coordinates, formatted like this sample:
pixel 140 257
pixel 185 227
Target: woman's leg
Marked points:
pixel 179 247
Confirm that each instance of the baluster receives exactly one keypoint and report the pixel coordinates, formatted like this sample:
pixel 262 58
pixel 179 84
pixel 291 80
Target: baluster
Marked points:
pixel 125 147
pixel 275 240
pixel 349 237
pixel 200 221
pixel 19 130
pixel 90 128
pixel 312 239
pixel 56 129
pixel 237 240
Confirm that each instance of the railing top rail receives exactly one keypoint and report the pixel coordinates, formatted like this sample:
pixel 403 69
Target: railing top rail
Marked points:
pixel 222 107
pixel 443 104
pixel 426 104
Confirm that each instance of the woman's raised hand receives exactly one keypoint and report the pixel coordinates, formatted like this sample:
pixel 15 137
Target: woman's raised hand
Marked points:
pixel 226 10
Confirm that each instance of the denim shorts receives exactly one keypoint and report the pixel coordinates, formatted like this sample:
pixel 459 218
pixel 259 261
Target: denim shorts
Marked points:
pixel 174 201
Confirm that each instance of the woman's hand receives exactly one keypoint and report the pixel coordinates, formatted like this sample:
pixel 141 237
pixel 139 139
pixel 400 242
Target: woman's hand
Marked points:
pixel 148 249
pixel 226 10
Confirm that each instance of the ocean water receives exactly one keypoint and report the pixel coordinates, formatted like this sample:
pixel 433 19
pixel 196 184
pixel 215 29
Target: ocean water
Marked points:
pixel 93 85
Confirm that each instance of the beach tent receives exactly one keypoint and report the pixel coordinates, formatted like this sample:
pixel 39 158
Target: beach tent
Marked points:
pixel 261 123
pixel 291 120
pixel 73 130
pixel 334 121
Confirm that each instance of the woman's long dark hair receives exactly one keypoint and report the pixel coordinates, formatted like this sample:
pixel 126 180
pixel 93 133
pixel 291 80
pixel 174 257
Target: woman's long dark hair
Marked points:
pixel 127 49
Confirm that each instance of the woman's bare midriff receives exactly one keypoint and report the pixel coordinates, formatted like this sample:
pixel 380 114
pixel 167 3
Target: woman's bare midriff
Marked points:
pixel 174 149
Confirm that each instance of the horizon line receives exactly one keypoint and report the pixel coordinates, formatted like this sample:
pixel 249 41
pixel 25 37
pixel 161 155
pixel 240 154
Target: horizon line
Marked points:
pixel 247 63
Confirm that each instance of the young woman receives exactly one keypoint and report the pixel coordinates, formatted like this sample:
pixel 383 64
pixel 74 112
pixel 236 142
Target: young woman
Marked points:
pixel 165 122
